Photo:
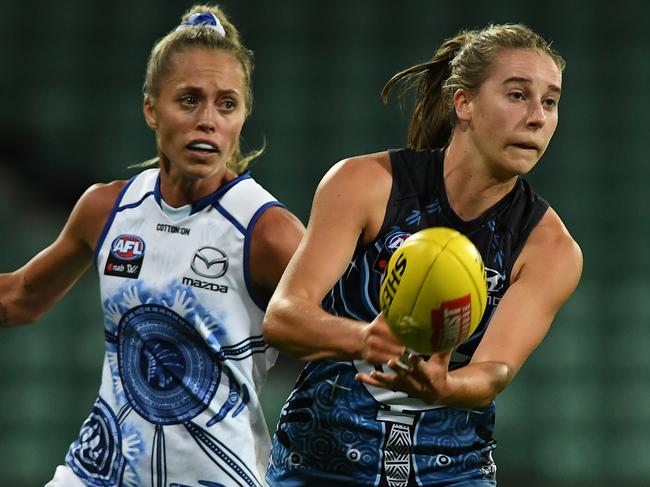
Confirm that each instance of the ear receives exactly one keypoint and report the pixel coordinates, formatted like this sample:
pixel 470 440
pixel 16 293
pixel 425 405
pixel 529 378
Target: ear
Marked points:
pixel 149 111
pixel 462 105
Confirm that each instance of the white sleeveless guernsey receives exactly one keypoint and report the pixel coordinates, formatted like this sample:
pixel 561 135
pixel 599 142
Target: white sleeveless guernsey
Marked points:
pixel 185 358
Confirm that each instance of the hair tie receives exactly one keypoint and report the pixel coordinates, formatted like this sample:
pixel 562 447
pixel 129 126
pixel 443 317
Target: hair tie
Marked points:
pixel 200 19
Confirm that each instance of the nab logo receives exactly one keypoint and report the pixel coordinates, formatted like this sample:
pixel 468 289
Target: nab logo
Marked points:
pixel 128 247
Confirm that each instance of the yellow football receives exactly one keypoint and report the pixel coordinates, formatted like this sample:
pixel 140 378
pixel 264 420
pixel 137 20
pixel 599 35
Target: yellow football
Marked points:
pixel 434 291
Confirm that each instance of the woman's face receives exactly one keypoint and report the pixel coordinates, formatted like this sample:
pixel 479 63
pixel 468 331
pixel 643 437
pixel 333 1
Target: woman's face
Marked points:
pixel 198 113
pixel 515 112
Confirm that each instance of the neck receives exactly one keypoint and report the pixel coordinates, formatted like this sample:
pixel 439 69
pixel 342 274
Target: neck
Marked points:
pixel 178 189
pixel 471 187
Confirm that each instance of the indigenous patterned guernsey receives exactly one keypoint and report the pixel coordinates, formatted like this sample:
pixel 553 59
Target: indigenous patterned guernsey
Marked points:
pixel 185 358
pixel 334 428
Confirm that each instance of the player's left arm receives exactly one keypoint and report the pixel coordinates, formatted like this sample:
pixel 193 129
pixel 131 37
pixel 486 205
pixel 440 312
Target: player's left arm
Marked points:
pixel 275 237
pixel 546 273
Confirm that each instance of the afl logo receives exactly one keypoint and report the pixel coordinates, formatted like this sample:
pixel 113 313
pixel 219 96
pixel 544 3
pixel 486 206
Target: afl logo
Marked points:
pixel 391 244
pixel 394 241
pixel 128 247
pixel 209 262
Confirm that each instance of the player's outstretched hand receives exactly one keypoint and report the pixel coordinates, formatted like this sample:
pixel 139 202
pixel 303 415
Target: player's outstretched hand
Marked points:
pixel 423 378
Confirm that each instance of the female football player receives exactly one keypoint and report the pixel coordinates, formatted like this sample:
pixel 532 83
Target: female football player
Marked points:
pixel 486 108
pixel 188 252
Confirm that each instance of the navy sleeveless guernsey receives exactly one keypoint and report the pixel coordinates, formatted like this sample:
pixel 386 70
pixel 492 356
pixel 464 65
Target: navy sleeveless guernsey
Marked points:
pixel 334 428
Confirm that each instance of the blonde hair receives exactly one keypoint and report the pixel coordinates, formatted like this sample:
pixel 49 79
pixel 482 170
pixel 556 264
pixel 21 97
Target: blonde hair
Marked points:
pixel 460 62
pixel 203 36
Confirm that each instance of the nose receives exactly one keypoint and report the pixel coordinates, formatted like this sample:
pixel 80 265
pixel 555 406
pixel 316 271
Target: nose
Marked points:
pixel 536 116
pixel 207 119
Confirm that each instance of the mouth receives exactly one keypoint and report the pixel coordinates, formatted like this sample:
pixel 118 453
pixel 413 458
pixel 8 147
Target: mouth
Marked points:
pixel 526 146
pixel 202 147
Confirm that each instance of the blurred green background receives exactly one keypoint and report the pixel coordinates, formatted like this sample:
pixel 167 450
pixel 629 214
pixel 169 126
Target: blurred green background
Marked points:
pixel 578 414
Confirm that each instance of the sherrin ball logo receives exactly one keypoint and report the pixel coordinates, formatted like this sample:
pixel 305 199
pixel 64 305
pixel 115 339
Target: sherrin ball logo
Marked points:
pixel 127 247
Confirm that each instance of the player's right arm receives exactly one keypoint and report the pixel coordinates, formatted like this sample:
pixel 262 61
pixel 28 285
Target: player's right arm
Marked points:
pixel 347 211
pixel 30 291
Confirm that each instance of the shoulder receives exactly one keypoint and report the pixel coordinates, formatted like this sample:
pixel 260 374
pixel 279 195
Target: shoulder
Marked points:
pixel 353 195
pixel 552 234
pixel 93 209
pixel 367 178
pixel 275 226
pixel 101 196
pixel 359 168
pixel 552 254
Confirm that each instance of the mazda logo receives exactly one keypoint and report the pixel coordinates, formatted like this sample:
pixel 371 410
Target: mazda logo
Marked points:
pixel 209 262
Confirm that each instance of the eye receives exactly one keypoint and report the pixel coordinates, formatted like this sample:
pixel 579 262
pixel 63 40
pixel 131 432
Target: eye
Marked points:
pixel 229 105
pixel 516 95
pixel 188 100
pixel 550 103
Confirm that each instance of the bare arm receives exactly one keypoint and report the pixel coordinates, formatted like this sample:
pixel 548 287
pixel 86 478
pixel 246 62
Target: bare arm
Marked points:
pixel 545 275
pixel 28 292
pixel 347 211
pixel 276 236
